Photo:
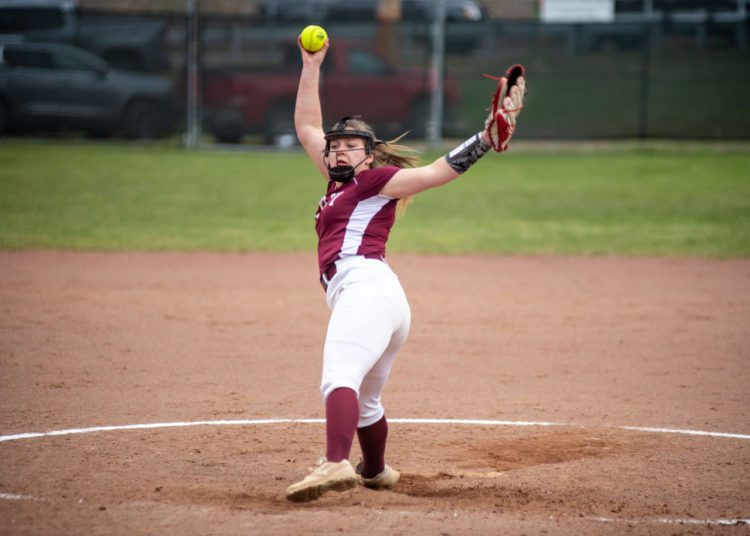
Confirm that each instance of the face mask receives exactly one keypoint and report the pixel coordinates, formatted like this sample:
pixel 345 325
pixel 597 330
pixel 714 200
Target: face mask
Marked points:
pixel 343 173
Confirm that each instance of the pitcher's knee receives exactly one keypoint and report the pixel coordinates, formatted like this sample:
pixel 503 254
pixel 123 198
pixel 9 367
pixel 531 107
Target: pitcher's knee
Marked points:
pixel 329 385
pixel 369 413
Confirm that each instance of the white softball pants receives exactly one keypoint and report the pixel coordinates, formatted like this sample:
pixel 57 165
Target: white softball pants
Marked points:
pixel 369 323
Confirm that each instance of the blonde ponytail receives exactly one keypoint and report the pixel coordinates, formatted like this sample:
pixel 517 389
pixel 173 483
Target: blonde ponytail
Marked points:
pixel 390 153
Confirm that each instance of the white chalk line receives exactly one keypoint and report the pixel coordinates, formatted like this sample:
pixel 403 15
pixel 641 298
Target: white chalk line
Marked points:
pixel 669 521
pixel 249 422
pixel 17 497
pixel 470 422
pixel 684 432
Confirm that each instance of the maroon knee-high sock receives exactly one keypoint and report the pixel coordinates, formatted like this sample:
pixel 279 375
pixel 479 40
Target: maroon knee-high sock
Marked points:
pixel 342 415
pixel 372 441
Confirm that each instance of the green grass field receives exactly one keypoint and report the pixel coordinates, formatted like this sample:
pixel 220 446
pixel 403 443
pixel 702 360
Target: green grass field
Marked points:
pixel 657 200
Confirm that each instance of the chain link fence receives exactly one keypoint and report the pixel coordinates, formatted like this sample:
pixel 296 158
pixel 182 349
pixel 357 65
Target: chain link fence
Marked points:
pixel 232 69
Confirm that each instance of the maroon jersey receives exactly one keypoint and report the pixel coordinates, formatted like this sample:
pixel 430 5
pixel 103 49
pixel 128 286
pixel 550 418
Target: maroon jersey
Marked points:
pixel 354 219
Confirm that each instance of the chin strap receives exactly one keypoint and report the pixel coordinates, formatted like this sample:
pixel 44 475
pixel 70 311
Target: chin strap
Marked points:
pixel 343 173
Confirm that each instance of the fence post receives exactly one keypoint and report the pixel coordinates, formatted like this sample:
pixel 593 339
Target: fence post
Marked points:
pixel 435 122
pixel 193 133
pixel 645 82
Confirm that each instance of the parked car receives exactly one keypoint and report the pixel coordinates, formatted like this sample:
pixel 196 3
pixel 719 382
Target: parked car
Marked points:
pixel 462 17
pixel 125 41
pixel 348 10
pixel 44 85
pixel 356 80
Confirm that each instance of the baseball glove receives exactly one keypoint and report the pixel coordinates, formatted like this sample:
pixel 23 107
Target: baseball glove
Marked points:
pixel 501 123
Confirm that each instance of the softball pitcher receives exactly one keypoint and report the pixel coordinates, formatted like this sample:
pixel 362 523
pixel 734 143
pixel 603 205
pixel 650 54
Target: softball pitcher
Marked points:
pixel 367 180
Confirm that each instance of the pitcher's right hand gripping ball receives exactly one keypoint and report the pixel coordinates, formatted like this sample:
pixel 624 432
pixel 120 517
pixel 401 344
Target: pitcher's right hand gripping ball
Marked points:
pixel 313 38
pixel 507 103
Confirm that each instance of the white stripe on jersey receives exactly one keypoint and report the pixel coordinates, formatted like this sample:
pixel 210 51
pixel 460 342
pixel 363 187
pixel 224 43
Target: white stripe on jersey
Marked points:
pixel 361 217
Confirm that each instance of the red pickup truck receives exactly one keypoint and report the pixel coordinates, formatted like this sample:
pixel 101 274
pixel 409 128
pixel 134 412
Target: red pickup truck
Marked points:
pixel 355 80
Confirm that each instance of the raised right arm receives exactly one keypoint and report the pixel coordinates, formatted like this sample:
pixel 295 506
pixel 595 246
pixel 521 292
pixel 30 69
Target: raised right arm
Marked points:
pixel 308 118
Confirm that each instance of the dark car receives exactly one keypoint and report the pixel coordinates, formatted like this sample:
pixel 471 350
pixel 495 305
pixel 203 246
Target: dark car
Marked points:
pixel 348 10
pixel 461 16
pixel 44 86
pixel 125 41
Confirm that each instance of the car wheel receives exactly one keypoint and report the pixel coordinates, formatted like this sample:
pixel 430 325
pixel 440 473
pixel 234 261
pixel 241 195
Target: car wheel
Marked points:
pixel 419 114
pixel 99 133
pixel 280 126
pixel 141 120
pixel 3 118
pixel 228 137
pixel 418 119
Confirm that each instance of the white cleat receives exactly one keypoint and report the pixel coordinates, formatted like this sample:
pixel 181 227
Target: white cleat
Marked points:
pixel 327 476
pixel 386 479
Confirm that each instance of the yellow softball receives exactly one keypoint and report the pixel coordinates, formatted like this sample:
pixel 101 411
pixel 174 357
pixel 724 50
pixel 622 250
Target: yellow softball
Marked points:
pixel 313 37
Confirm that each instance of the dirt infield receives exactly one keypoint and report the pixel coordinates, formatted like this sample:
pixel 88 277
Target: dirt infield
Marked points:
pixel 587 345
